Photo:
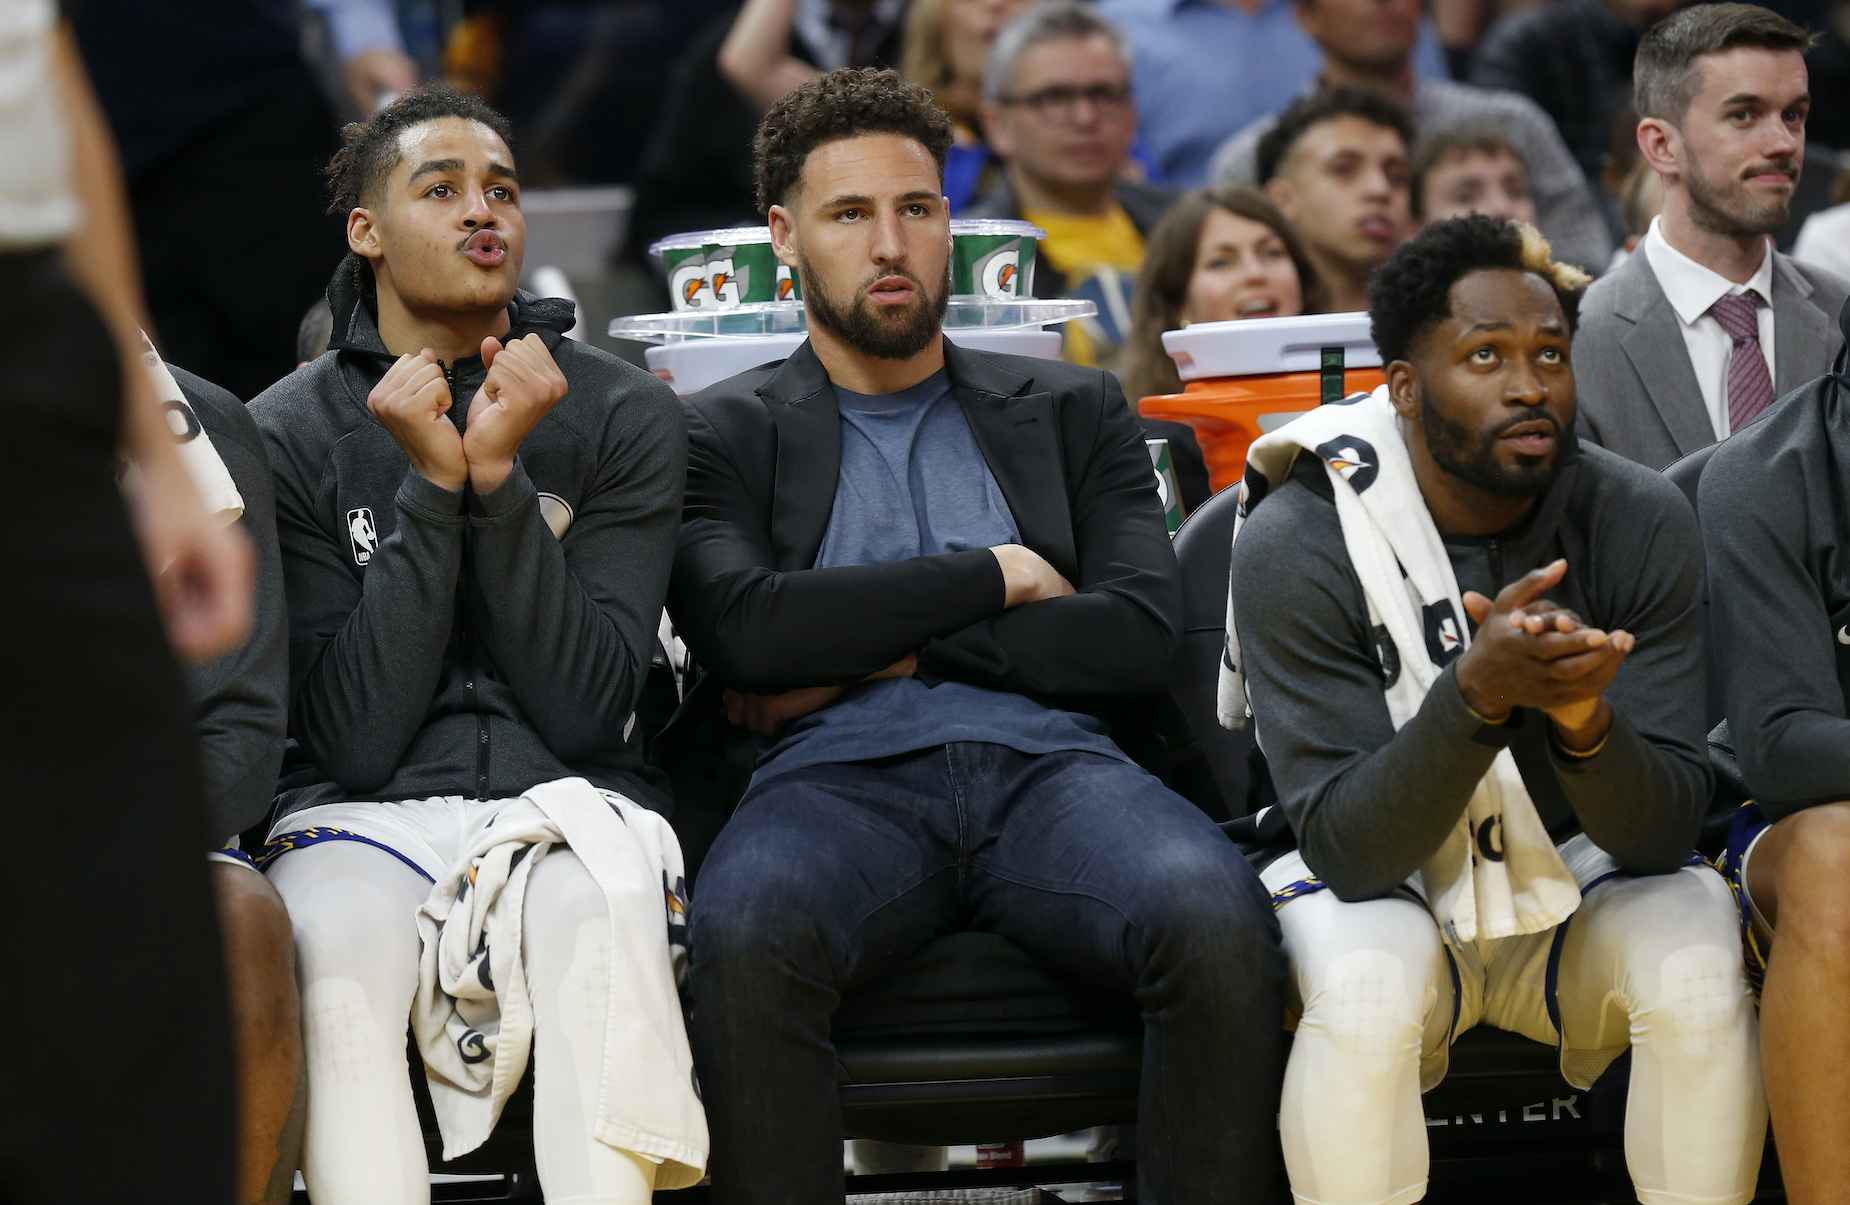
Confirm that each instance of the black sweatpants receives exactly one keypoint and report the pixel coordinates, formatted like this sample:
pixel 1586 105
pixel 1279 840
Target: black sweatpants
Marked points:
pixel 236 242
pixel 116 1082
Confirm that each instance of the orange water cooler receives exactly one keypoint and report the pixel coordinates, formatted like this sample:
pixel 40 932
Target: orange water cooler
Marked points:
pixel 1244 378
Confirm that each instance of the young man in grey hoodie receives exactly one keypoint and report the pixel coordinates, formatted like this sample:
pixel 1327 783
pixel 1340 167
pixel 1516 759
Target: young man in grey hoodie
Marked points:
pixel 477 519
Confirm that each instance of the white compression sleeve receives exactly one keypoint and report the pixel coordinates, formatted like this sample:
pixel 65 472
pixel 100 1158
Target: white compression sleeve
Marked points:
pixel 353 907
pixel 565 941
pixel 1657 961
pixel 1368 979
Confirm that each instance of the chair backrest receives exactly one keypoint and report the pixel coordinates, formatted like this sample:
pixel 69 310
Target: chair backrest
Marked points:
pixel 1204 549
pixel 1686 473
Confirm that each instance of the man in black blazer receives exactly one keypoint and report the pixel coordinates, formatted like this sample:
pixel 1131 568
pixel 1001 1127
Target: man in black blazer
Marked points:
pixel 924 574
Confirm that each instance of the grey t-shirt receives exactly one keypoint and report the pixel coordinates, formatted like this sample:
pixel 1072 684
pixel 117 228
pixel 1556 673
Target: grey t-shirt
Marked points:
pixel 914 483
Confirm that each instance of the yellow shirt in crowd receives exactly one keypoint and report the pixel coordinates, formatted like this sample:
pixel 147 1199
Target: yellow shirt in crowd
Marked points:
pixel 1078 247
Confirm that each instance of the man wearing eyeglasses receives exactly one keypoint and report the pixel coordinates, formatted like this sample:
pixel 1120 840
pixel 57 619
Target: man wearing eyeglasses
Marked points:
pixel 1057 108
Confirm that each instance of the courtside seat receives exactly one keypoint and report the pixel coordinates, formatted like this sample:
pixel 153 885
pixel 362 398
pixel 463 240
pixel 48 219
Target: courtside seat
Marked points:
pixel 968 1041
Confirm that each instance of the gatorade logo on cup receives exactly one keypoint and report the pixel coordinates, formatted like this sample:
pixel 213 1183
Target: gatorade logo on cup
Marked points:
pixel 998 274
pixel 785 289
pixel 703 282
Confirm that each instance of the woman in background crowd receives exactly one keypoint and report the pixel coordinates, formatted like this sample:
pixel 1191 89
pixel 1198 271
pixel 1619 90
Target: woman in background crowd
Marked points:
pixel 946 49
pixel 1220 253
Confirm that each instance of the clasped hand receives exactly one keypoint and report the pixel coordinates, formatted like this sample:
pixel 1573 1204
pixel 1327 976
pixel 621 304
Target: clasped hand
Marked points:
pixel 1529 652
pixel 412 402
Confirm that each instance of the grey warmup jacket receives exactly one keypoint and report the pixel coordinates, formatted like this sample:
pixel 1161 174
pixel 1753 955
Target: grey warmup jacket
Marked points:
pixel 1370 805
pixel 243 696
pixel 1776 517
pixel 451 643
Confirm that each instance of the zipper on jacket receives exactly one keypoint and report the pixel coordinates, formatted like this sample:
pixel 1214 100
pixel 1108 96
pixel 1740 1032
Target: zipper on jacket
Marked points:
pixel 1495 551
pixel 468 638
pixel 468 652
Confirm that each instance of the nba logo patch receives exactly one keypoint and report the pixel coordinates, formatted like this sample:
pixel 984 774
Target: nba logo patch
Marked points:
pixel 364 535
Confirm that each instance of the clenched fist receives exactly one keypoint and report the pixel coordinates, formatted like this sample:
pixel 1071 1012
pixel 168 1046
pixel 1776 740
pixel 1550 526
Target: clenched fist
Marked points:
pixel 523 384
pixel 412 402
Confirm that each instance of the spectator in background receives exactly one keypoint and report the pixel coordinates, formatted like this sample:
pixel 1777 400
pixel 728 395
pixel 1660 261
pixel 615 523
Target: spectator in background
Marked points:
pixel 1057 108
pixel 1698 333
pixel 1470 171
pixel 216 113
pixel 1824 239
pixel 370 50
pixel 1574 59
pixel 1206 69
pixel 1370 44
pixel 697 172
pixel 1335 164
pixel 945 50
pixel 1219 254
pixel 1641 199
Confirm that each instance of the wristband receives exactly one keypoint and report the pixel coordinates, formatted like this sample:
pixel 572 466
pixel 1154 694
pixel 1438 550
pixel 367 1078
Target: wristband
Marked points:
pixel 1554 738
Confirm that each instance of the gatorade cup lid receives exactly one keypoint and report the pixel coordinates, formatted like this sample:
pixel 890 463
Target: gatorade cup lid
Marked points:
pixel 1010 227
pixel 788 317
pixel 714 238
pixel 1246 347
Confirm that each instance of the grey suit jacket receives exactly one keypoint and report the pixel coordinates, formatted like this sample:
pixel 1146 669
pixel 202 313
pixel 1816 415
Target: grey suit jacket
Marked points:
pixel 1638 394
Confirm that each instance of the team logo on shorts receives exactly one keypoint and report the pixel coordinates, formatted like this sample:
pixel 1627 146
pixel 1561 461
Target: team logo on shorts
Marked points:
pixel 364 535
pixel 1354 458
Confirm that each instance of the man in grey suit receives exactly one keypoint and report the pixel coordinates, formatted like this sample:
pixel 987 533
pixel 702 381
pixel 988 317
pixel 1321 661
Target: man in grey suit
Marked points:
pixel 1707 323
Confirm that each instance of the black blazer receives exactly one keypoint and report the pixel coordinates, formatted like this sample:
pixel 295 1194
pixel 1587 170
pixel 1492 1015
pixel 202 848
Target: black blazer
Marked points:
pixel 764 456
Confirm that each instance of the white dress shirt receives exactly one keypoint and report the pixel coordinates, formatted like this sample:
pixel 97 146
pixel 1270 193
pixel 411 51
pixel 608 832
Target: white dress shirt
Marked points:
pixel 1691 289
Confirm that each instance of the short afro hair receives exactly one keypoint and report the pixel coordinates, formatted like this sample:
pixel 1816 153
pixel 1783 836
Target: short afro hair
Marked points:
pixel 369 149
pixel 842 104
pixel 1323 105
pixel 1412 292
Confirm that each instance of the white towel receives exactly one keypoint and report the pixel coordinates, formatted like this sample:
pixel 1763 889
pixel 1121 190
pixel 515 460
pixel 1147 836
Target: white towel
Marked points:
pixel 473 1017
pixel 1413 603
pixel 210 476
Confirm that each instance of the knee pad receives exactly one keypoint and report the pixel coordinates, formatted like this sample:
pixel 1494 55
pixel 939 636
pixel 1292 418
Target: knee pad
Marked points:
pixel 1364 1004
pixel 1701 1001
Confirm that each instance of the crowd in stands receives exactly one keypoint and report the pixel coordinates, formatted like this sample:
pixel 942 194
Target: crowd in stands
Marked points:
pixel 468 608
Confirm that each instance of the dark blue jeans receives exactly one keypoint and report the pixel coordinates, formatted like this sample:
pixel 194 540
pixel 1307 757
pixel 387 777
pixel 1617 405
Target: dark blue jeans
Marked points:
pixel 829 875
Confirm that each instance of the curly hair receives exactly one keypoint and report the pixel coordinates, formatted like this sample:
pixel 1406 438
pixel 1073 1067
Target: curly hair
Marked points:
pixel 369 149
pixel 842 104
pixel 1412 292
pixel 1320 106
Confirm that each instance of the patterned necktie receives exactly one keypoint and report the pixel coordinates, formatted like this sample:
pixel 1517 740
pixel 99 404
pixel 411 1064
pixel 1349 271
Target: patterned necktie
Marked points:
pixel 1750 387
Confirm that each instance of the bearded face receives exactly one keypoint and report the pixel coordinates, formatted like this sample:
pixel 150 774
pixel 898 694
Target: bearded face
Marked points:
pixel 886 332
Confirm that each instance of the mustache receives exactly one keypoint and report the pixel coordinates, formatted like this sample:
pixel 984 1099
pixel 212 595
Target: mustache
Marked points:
pixel 903 273
pixel 1539 415
pixel 1784 165
pixel 482 238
